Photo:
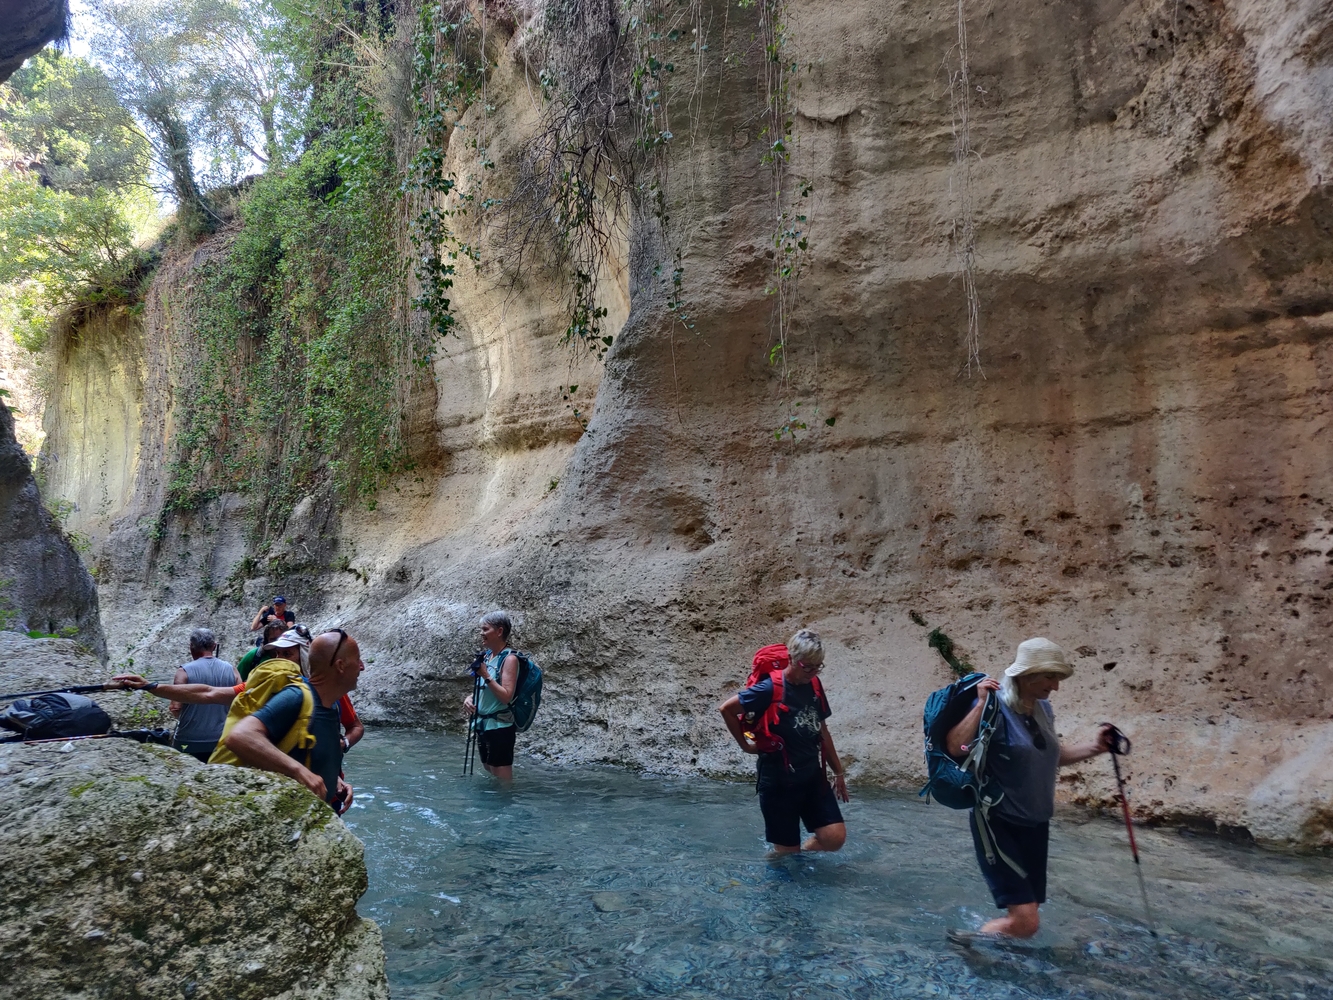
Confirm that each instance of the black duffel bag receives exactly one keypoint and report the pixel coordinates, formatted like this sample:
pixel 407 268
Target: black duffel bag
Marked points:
pixel 55 717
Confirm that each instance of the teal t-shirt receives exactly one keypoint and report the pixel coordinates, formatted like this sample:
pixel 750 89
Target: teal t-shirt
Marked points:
pixel 488 704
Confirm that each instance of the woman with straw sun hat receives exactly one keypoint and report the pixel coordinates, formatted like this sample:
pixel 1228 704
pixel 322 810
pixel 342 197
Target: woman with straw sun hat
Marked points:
pixel 1024 757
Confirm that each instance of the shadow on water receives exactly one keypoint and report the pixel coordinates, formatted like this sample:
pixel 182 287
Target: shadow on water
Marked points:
pixel 600 883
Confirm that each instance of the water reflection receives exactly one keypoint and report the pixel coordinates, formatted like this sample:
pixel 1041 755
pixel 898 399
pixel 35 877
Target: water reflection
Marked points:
pixel 602 884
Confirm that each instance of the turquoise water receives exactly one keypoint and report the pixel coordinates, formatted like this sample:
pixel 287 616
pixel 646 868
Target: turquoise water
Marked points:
pixel 600 883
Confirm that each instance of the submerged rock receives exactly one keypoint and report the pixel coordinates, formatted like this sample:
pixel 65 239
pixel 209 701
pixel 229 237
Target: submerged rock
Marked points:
pixel 134 871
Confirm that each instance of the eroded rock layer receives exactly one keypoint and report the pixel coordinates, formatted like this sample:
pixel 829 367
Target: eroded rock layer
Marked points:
pixel 1140 474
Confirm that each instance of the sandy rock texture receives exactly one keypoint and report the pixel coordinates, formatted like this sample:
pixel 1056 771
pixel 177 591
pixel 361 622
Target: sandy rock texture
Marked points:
pixel 1140 475
pixel 47 664
pixel 44 585
pixel 138 872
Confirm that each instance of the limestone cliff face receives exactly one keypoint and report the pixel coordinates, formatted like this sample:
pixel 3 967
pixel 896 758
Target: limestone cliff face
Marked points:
pixel 139 872
pixel 44 585
pixel 1140 474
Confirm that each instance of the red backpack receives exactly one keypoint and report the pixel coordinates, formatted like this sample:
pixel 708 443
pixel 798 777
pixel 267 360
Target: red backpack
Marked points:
pixel 771 661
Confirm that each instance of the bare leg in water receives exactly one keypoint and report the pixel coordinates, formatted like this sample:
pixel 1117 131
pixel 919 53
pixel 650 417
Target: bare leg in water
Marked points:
pixel 826 838
pixel 1020 922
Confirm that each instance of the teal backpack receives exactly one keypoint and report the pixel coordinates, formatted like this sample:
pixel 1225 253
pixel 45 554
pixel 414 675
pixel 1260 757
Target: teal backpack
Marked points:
pixel 964 784
pixel 522 708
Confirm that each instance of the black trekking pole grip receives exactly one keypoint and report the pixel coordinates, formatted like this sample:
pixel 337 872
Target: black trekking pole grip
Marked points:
pixel 1120 744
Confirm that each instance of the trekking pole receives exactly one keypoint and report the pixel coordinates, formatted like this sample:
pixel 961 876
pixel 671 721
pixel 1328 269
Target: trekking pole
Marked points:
pixel 1121 746
pixel 470 747
pixel 79 689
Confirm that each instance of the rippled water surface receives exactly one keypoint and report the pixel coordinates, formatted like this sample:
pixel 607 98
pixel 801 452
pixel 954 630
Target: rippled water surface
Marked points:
pixel 600 883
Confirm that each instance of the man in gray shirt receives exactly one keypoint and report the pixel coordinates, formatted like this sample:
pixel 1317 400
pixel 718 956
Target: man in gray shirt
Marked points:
pixel 200 726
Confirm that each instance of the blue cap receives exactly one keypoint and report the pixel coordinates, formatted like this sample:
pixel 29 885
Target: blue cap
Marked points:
pixel 279 600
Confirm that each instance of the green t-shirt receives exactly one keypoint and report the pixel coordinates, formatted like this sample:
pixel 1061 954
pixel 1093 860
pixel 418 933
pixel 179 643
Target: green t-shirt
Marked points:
pixel 248 662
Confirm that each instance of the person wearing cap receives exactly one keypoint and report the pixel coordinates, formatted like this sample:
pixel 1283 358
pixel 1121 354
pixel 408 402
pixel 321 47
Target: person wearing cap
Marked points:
pixel 1024 756
pixel 334 667
pixel 278 610
pixel 252 656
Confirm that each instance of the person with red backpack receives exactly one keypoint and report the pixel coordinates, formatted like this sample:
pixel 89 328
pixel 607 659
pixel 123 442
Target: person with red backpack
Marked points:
pixel 780 716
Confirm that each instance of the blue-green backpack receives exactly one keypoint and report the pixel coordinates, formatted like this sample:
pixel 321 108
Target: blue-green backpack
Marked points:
pixel 963 784
pixel 522 708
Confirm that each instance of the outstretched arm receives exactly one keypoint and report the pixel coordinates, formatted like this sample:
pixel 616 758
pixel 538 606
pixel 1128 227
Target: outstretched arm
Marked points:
pixel 193 694
pixel 1083 751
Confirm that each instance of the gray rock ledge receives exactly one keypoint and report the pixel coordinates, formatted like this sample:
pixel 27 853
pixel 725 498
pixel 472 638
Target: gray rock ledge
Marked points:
pixel 134 871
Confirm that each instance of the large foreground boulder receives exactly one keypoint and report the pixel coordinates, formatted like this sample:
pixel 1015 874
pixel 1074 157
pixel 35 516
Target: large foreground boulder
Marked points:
pixel 134 871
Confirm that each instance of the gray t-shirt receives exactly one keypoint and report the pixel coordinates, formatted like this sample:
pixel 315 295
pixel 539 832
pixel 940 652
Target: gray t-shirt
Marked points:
pixel 1026 774
pixel 202 724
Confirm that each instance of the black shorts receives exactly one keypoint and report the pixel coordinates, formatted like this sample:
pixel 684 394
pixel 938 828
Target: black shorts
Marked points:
pixel 786 807
pixel 200 751
pixel 1024 844
pixel 496 746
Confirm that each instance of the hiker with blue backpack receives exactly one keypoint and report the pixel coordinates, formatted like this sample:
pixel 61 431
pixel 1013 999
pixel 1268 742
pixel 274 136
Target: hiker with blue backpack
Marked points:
pixel 1000 760
pixel 496 679
pixel 781 717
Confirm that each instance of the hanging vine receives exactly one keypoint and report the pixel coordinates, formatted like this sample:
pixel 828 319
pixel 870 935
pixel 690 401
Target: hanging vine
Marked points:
pixel 963 233
pixel 789 196
pixel 448 76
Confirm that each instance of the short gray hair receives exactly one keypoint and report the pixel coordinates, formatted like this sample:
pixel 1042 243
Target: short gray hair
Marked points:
pixel 202 640
pixel 806 647
pixel 500 620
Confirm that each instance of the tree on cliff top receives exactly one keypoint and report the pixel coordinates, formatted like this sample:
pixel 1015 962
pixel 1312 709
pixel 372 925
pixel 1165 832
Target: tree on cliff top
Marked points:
pixel 213 85
pixel 73 194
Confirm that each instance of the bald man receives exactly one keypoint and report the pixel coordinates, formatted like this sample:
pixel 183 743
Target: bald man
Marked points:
pixel 335 666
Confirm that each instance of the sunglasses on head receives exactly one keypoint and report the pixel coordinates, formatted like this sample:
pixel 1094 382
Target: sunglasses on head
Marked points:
pixel 342 637
pixel 1034 730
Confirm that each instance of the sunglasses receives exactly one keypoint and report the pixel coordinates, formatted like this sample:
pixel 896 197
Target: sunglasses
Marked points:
pixel 1034 730
pixel 342 637
pixel 810 668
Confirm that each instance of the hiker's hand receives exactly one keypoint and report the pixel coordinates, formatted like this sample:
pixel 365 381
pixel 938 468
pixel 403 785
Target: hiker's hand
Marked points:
pixel 344 801
pixel 840 788
pixel 468 709
pixel 989 684
pixel 131 681
pixel 1105 738
pixel 312 781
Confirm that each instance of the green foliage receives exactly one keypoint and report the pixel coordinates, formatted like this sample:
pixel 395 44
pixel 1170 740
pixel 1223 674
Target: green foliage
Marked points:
pixel 448 74
pixel 937 640
pixel 61 112
pixel 301 359
pixel 70 216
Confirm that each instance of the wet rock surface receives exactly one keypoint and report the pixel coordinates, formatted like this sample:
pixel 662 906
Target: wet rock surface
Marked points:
pixel 135 871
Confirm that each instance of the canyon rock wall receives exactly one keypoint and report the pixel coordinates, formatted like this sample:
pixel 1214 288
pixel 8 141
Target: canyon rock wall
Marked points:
pixel 44 585
pixel 139 872
pixel 1139 473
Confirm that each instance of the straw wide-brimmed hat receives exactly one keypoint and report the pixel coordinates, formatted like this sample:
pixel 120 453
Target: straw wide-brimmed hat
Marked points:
pixel 1039 656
